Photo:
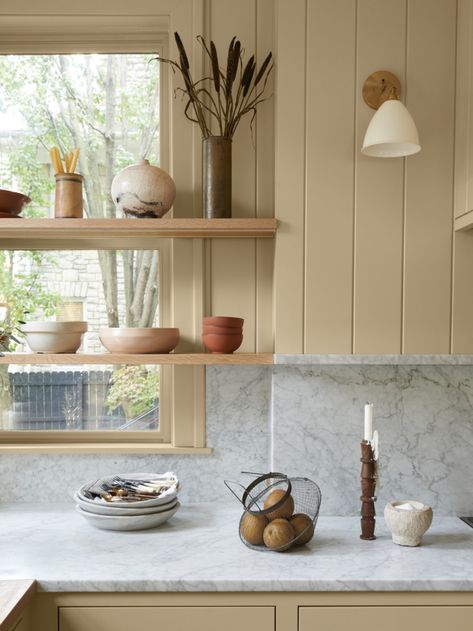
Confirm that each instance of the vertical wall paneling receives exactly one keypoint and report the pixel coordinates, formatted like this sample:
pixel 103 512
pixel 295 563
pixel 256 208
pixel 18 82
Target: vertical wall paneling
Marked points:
pixel 265 183
pixel 462 318
pixel 289 175
pixel 429 177
pixel 463 112
pixel 462 303
pixel 381 43
pixel 329 175
pixel 233 274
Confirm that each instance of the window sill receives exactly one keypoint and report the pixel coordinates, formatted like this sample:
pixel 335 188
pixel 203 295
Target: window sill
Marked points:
pixel 113 448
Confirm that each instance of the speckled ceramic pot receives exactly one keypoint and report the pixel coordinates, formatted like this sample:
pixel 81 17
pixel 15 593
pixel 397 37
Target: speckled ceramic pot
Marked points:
pixel 407 526
pixel 143 190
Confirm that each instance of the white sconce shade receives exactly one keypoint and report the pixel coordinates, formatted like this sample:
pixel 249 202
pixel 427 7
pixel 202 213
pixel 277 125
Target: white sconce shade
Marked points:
pixel 391 133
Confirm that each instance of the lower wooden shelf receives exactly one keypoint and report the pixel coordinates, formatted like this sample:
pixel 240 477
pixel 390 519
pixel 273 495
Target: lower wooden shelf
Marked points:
pixel 189 359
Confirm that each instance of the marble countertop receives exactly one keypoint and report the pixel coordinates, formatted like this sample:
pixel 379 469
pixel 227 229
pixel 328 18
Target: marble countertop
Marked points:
pixel 199 550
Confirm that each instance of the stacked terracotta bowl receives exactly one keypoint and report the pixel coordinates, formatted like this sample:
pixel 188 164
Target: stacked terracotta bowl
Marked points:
pixel 222 334
pixel 11 203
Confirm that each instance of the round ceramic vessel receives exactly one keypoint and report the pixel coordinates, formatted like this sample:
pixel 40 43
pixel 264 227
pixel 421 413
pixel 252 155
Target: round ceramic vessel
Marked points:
pixel 128 522
pixel 109 509
pixel 54 337
pixel 169 495
pixel 143 190
pixel 408 526
pixel 12 202
pixel 221 330
pixel 139 340
pixel 225 321
pixel 221 344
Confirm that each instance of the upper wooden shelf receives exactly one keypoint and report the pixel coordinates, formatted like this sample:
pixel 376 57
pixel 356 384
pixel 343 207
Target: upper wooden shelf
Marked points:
pixel 189 359
pixel 132 234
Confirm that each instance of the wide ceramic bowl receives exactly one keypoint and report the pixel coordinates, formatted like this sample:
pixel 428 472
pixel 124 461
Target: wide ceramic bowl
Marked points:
pixel 167 496
pixel 222 343
pixel 104 508
pixel 408 521
pixel 225 321
pixel 12 202
pixel 54 337
pixel 143 190
pixel 221 330
pixel 139 340
pixel 130 522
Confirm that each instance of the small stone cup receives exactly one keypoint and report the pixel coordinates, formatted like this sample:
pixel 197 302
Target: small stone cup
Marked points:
pixel 407 526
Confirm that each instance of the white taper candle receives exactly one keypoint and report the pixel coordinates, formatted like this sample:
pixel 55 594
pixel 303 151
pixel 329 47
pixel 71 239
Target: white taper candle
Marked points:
pixel 368 435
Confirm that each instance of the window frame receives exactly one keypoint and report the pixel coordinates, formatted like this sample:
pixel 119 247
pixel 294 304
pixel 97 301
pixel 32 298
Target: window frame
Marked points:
pixel 88 28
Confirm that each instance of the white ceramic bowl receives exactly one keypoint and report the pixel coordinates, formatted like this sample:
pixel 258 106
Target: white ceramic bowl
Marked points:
pixel 164 498
pixel 135 522
pixel 99 508
pixel 54 337
pixel 407 526
pixel 140 340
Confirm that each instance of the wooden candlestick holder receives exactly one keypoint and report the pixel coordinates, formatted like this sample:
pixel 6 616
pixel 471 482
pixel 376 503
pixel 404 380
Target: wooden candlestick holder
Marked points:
pixel 368 486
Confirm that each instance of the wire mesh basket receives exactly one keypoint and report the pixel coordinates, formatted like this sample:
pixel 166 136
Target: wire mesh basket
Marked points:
pixel 280 512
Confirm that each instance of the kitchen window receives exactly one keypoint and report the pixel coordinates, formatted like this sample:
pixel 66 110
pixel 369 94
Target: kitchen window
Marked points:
pixel 90 80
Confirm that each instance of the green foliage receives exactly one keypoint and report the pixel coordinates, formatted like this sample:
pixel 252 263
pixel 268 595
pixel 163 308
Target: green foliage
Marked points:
pixel 135 388
pixel 22 296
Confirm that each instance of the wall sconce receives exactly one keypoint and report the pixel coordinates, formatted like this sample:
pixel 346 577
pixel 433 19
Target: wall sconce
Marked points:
pixel 392 132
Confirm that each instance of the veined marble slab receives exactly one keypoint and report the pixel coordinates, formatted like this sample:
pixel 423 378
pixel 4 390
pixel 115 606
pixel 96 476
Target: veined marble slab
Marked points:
pixel 238 400
pixel 200 550
pixel 375 360
pixel 424 415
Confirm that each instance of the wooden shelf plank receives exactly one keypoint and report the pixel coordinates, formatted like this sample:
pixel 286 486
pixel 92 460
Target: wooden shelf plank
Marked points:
pixel 80 234
pixel 198 359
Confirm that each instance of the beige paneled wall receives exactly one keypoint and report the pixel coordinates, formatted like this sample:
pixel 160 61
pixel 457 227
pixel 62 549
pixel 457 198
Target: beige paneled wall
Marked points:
pixel 364 251
pixel 241 271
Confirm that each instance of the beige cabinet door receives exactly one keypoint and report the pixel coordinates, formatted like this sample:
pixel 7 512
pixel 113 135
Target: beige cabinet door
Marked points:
pixel 166 618
pixel 386 618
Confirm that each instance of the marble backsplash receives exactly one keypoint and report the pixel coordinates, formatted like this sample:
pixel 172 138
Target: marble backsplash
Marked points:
pixel 304 420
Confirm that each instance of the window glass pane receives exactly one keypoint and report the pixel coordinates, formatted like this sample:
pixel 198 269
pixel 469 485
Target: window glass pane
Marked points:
pixel 108 105
pixel 105 104
pixel 34 398
pixel 105 288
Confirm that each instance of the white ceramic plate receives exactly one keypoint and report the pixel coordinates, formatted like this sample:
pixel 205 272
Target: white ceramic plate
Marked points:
pixel 99 508
pixel 121 522
pixel 164 498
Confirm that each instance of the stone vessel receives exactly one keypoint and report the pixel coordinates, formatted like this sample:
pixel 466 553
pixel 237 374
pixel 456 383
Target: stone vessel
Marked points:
pixel 408 521
pixel 143 190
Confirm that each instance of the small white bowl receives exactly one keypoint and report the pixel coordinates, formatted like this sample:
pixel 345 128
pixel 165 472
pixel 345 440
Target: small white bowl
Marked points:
pixel 54 337
pixel 121 522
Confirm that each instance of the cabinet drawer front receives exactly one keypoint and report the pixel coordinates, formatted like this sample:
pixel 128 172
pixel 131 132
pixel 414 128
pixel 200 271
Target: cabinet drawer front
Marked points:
pixel 165 618
pixel 385 618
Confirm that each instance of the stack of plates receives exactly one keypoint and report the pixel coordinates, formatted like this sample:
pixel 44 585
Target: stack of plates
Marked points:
pixel 120 514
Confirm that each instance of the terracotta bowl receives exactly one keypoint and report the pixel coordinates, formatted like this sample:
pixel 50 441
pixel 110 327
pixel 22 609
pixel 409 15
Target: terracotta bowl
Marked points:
pixel 222 343
pixel 139 340
pixel 225 321
pixel 54 337
pixel 12 202
pixel 221 330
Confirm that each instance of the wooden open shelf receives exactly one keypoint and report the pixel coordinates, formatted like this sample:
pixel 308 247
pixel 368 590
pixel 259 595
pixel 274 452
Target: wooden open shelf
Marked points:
pixel 189 359
pixel 88 234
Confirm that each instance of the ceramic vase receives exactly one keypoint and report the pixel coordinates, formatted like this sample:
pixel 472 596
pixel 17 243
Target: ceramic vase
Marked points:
pixel 217 177
pixel 143 190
